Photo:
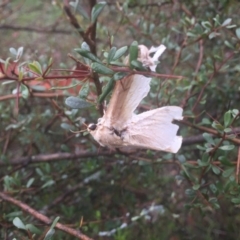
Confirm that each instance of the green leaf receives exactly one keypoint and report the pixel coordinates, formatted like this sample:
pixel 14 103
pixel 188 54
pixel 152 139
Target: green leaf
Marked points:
pixel 202 164
pixel 35 67
pixel 6 64
pixel 235 200
pixel 24 91
pixel 49 234
pixel 20 75
pixel 228 44
pixel 17 222
pixel 65 87
pixel 19 52
pixel 133 52
pixel 181 158
pixel 205 158
pixel 54 222
pixel 66 126
pixel 85 46
pixel 111 54
pixel 196 186
pixel 119 75
pixel 112 40
pixel 190 192
pixel 213 35
pixel 30 182
pixel 227 118
pixel 227 130
pixel 217 126
pixel 224 161
pixel 235 112
pixel 208 138
pixel 77 103
pixel 205 161
pixel 87 54
pixel 206 24
pixel 32 228
pixel 213 188
pixel 228 172
pixel 216 170
pixel 50 61
pixel 238 33
pixel 38 88
pixel 51 231
pixel 227 147
pixel 97 9
pixel 99 68
pixel 48 183
pixel 84 91
pixel 120 52
pixel 13 51
pixel 138 65
pixel 226 22
pixel 106 90
pixel 116 63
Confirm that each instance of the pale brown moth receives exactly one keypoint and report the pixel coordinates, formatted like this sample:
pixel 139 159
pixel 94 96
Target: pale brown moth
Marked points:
pixel 120 126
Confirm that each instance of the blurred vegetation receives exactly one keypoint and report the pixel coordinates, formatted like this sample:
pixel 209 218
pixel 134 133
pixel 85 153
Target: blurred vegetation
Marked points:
pixel 99 193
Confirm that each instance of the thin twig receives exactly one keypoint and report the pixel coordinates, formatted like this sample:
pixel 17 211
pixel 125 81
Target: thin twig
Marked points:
pixel 26 208
pixel 55 157
pixel 210 130
pixel 238 166
pixel 43 95
pixel 35 29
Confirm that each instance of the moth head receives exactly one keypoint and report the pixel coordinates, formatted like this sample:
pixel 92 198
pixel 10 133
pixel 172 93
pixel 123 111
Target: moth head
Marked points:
pixel 92 127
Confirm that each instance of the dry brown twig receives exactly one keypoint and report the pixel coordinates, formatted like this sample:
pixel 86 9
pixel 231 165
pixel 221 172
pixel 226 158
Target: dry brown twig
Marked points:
pixel 26 208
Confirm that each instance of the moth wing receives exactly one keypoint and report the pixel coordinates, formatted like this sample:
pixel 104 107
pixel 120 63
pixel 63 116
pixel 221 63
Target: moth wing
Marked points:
pixel 127 95
pixel 154 129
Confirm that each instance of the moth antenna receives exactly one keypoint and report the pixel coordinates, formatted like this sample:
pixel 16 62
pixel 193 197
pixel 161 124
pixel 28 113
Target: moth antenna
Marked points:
pixel 79 131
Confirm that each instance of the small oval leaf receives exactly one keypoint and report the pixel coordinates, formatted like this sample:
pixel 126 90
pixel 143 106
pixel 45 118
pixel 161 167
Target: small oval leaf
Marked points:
pixel 133 51
pixel 106 90
pixel 111 54
pixel 119 75
pixel 49 234
pixel 215 169
pixel 227 147
pixel 36 68
pixel 99 68
pixel 24 91
pixel 13 51
pixel 138 65
pixel 87 54
pixel 238 33
pixel 77 103
pixel 227 118
pixel 97 9
pixel 84 91
pixel 120 52
pixel 226 22
pixel 18 223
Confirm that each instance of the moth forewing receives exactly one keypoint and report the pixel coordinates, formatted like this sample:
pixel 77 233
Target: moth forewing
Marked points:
pixel 127 95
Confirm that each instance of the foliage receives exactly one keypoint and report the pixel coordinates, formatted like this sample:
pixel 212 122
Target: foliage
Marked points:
pixel 55 76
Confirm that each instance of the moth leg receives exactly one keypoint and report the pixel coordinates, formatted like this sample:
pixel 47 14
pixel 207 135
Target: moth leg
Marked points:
pixel 122 84
pixel 117 132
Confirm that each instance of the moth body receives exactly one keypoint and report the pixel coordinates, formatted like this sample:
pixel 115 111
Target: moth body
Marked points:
pixel 150 130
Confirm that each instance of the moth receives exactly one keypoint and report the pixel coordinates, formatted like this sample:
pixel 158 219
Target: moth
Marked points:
pixel 152 129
